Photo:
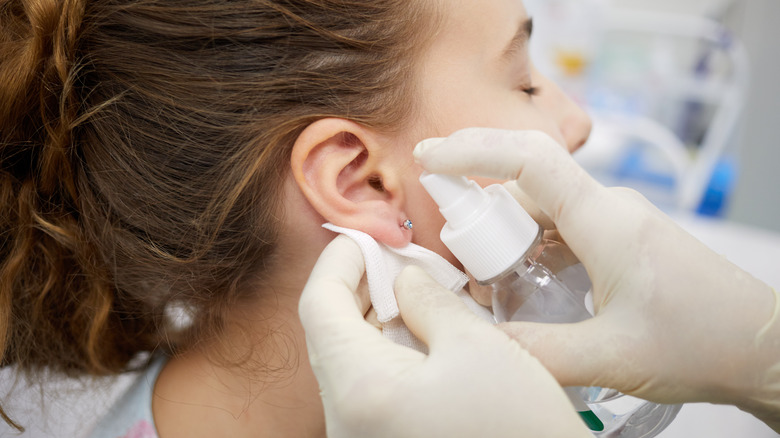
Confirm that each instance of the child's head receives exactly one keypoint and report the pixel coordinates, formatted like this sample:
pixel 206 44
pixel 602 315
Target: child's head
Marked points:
pixel 474 71
pixel 154 152
pixel 145 145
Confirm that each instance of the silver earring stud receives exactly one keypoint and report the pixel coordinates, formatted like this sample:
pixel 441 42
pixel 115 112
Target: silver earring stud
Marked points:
pixel 408 224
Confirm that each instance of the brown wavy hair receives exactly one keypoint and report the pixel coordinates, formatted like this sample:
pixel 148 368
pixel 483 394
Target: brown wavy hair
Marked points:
pixel 143 144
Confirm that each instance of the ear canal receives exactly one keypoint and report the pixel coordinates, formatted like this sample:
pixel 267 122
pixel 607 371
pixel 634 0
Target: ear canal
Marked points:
pixel 375 181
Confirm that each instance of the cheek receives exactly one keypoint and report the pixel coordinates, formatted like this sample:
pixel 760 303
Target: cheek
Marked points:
pixel 508 110
pixel 428 223
pixel 451 106
pixel 537 120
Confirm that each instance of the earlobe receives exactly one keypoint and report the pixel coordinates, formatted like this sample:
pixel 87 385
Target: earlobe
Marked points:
pixel 342 171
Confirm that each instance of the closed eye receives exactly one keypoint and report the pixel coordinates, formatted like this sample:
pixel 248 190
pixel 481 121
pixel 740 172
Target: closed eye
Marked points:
pixel 531 91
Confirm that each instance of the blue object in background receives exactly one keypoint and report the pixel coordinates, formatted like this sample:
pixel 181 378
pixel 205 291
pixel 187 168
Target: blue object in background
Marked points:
pixel 719 189
pixel 634 169
pixel 634 166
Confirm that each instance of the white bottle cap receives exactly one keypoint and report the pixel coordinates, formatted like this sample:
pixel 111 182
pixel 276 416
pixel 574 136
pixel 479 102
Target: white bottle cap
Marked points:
pixel 486 229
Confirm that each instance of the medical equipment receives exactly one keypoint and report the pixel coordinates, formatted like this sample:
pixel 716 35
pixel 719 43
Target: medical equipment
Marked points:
pixel 533 279
pixel 665 91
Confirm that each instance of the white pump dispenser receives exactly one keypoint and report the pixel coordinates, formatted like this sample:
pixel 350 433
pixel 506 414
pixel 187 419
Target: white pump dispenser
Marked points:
pixel 487 230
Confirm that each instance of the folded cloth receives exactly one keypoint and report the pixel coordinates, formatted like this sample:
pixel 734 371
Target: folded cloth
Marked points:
pixel 383 264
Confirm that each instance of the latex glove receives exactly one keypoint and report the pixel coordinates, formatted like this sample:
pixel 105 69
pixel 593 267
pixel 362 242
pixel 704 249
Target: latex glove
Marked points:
pixel 675 321
pixel 475 381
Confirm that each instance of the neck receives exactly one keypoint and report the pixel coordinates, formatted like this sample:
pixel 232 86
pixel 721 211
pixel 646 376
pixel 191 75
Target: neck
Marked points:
pixel 255 380
pixel 263 386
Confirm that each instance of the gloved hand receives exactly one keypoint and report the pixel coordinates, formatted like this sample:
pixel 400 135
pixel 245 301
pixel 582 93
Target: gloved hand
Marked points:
pixel 675 322
pixel 475 381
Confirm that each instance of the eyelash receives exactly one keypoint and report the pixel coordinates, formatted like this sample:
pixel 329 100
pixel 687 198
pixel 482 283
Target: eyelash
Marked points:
pixel 531 91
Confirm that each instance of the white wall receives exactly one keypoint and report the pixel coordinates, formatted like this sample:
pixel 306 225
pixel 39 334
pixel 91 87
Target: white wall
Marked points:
pixel 757 197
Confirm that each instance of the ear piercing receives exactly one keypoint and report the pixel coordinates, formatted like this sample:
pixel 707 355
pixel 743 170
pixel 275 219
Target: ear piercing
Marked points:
pixel 408 224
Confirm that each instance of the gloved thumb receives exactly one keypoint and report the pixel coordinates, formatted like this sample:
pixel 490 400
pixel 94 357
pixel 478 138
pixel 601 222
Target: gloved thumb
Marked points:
pixel 576 353
pixel 337 336
pixel 433 313
pixel 441 320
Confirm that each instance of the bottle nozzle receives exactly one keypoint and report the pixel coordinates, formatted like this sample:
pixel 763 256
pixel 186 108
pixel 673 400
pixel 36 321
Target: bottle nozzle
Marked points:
pixel 444 189
pixel 486 229
pixel 457 197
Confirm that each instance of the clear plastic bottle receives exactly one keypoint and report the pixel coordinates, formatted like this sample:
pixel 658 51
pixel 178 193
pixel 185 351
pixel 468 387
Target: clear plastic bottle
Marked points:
pixel 533 279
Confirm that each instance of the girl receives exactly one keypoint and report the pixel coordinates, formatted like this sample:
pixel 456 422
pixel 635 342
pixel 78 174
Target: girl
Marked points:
pixel 177 157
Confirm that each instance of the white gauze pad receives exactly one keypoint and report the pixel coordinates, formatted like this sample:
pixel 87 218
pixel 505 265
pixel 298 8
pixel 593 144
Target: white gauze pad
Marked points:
pixel 383 264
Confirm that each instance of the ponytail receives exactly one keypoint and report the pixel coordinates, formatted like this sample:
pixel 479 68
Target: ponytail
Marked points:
pixel 56 297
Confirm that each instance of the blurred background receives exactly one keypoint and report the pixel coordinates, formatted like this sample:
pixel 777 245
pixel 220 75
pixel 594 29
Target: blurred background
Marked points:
pixel 685 97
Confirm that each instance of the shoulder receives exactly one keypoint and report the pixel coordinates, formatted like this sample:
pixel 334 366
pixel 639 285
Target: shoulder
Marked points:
pixel 131 416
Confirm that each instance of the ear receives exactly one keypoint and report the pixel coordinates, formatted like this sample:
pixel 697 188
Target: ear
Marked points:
pixel 346 174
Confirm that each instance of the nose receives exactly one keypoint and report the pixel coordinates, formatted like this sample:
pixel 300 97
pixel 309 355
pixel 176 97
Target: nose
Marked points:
pixel 573 121
pixel 576 126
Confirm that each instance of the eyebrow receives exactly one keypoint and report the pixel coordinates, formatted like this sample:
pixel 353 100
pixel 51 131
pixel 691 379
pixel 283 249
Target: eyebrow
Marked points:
pixel 520 39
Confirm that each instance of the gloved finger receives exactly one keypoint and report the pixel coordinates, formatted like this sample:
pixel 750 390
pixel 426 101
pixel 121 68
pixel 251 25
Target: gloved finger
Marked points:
pixel 333 282
pixel 529 205
pixel 335 329
pixel 473 152
pixel 542 168
pixel 433 313
pixel 478 151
